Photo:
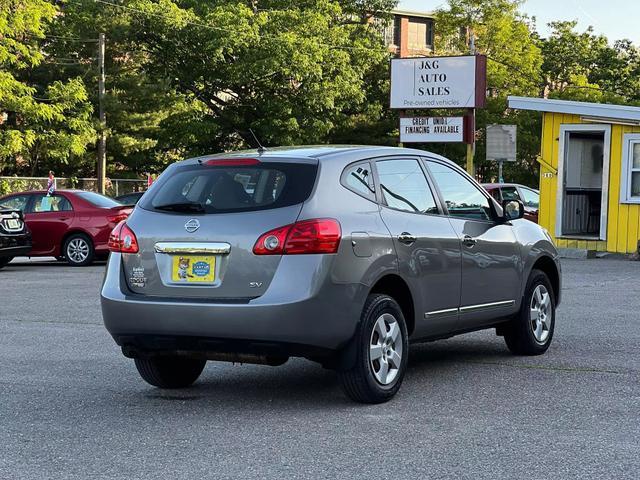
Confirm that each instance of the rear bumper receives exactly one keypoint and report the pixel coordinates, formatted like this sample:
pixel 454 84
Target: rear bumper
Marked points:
pixel 15 245
pixel 301 310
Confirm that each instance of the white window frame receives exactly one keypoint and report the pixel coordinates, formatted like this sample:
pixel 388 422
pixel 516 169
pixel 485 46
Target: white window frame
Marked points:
pixel 565 129
pixel 628 141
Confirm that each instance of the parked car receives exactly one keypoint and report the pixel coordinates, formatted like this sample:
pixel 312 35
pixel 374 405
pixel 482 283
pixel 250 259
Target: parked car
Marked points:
pixel 512 191
pixel 129 198
pixel 15 237
pixel 342 255
pixel 73 225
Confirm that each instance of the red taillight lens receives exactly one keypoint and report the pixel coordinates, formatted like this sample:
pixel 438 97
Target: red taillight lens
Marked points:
pixel 122 239
pixel 232 162
pixel 308 236
pixel 117 218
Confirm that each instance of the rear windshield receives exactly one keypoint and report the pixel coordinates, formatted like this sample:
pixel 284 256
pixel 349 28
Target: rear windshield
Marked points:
pixel 223 189
pixel 98 200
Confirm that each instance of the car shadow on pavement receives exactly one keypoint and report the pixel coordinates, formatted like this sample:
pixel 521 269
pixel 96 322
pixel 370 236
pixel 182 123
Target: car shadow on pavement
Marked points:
pixel 303 383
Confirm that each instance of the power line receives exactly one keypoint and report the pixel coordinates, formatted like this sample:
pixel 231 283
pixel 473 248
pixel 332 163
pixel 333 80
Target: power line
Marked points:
pixel 232 31
pixel 60 37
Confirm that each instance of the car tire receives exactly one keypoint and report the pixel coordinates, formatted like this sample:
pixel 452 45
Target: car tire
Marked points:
pixel 78 250
pixel 4 261
pixel 170 371
pixel 530 331
pixel 381 349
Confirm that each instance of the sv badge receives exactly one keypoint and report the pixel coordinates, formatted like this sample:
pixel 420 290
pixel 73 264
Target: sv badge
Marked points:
pixel 255 284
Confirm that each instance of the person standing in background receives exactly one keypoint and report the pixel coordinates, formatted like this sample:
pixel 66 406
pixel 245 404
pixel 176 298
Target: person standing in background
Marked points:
pixel 51 184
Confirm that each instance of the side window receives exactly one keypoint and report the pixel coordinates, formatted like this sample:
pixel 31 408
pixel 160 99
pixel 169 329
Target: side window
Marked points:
pixel 405 187
pixel 495 193
pixel 53 203
pixel 463 198
pixel 530 198
pixel 359 179
pixel 510 193
pixel 18 202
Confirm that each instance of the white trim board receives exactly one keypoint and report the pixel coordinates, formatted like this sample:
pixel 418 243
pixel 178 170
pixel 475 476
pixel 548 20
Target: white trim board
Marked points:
pixel 598 110
pixel 566 128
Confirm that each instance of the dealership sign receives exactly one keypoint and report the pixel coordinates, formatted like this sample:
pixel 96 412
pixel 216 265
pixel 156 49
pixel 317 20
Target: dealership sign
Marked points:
pixel 438 82
pixel 431 129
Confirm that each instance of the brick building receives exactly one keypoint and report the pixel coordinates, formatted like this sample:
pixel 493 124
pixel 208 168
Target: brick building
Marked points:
pixel 410 34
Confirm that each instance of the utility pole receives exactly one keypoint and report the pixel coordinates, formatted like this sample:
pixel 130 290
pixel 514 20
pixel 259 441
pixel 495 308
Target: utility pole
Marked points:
pixel 471 147
pixel 102 136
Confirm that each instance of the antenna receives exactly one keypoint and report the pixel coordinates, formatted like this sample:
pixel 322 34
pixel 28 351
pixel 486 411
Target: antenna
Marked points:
pixel 261 149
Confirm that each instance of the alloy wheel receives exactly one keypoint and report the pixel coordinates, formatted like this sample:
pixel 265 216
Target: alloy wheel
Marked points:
pixel 385 349
pixel 540 314
pixel 77 250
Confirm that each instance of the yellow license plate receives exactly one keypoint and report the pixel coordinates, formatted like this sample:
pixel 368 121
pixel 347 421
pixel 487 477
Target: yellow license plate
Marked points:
pixel 193 268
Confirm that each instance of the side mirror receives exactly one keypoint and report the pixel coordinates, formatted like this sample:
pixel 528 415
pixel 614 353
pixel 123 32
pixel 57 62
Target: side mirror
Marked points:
pixel 512 210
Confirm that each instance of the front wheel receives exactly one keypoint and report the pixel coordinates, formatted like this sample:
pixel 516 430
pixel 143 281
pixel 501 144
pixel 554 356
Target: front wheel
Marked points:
pixel 381 347
pixel 531 330
pixel 4 261
pixel 78 250
pixel 170 371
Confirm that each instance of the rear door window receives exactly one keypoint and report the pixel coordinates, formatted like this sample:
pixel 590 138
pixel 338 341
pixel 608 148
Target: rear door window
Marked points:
pixel 50 203
pixel 404 186
pixel 223 189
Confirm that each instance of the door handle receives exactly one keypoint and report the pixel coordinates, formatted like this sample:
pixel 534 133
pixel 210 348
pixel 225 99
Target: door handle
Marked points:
pixel 406 238
pixel 469 241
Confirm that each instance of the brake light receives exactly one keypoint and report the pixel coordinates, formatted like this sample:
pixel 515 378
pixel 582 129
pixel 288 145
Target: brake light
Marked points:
pixel 307 236
pixel 232 162
pixel 117 218
pixel 122 239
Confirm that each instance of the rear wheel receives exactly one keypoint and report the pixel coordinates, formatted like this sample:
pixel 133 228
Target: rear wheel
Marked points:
pixel 170 371
pixel 78 250
pixel 381 346
pixel 531 330
pixel 4 261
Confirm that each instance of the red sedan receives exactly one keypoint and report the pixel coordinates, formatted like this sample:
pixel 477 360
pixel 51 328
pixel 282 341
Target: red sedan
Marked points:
pixel 73 225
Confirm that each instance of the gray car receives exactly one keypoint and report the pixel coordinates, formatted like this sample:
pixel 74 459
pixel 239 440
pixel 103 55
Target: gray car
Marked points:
pixel 339 254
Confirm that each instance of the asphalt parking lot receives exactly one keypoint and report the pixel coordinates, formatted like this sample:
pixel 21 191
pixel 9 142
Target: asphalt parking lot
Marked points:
pixel 71 406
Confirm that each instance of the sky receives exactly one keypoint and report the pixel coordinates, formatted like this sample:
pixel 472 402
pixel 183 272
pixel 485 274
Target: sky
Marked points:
pixel 616 19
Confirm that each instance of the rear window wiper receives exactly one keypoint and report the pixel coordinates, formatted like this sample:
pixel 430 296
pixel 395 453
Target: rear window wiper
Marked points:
pixel 181 207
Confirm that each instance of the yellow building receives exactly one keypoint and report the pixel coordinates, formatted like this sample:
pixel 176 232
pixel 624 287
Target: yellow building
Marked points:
pixel 589 173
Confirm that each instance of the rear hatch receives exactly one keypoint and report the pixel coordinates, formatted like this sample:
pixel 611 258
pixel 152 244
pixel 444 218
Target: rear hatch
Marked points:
pixel 198 224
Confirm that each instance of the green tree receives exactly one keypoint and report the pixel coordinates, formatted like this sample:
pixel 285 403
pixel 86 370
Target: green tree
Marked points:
pixel 584 66
pixel 291 71
pixel 42 126
pixel 507 38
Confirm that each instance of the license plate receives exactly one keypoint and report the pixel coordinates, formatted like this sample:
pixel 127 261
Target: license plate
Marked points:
pixel 13 224
pixel 193 268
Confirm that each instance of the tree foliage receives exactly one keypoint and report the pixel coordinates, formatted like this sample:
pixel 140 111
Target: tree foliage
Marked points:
pixel 39 122
pixel 186 77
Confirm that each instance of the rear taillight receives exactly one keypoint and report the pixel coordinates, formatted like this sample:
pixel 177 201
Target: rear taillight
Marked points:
pixel 122 239
pixel 117 218
pixel 307 236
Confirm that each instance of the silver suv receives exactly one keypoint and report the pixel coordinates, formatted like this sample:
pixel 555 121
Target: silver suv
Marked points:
pixel 341 255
